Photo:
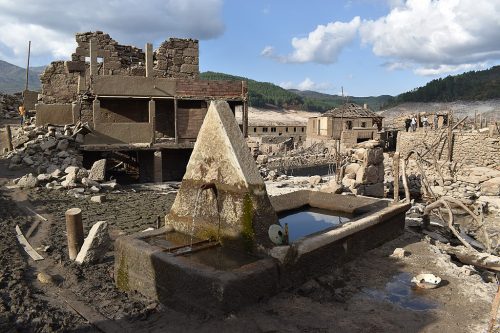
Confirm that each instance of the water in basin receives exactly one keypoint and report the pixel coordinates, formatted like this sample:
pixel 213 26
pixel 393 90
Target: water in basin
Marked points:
pixel 310 220
pixel 221 258
pixel 170 240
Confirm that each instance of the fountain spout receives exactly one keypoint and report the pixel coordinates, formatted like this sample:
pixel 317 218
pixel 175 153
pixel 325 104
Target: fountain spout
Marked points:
pixel 208 186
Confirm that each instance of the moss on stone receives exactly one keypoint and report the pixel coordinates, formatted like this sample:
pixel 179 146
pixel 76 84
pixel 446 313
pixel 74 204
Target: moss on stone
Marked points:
pixel 122 275
pixel 247 232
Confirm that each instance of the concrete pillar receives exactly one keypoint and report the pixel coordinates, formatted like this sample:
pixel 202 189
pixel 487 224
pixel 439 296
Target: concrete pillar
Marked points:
pixel 149 60
pixel 96 110
pixel 93 57
pixel 74 231
pixel 82 85
pixel 152 118
pixel 158 166
pixel 245 119
pixel 75 110
pixel 175 121
pixel 9 138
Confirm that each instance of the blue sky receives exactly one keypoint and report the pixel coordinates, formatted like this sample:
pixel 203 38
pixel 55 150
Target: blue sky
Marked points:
pixel 370 47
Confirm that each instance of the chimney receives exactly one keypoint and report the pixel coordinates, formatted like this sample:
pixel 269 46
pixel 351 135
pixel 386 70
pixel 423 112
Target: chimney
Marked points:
pixel 365 106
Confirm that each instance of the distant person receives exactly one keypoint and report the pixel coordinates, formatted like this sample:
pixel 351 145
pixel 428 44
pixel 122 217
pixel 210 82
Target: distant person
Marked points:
pixel 413 124
pixel 22 113
pixel 407 124
pixel 425 121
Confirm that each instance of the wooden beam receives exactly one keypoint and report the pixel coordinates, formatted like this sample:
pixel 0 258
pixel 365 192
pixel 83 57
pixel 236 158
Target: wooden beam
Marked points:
pixel 395 171
pixel 26 245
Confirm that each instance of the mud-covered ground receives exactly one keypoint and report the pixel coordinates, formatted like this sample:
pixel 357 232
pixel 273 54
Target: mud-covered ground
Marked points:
pixel 369 294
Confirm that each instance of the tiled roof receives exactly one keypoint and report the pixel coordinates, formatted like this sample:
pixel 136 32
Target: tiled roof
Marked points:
pixel 351 110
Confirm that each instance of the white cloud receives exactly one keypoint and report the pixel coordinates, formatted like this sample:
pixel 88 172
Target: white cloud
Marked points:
pixel 323 45
pixel 51 24
pixel 442 69
pixel 307 84
pixel 436 37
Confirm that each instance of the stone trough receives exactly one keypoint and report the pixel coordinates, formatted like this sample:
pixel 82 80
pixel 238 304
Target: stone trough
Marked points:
pixel 223 248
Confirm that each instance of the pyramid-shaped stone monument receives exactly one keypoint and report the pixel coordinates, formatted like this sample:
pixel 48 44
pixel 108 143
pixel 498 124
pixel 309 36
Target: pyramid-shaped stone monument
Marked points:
pixel 222 195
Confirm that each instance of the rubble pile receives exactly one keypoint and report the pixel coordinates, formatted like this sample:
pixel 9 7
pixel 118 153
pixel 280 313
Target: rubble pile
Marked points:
pixel 51 153
pixel 8 105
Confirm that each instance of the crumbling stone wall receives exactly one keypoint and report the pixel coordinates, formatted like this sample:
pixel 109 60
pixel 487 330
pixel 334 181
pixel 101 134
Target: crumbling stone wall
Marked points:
pixel 58 86
pixel 175 58
pixel 469 148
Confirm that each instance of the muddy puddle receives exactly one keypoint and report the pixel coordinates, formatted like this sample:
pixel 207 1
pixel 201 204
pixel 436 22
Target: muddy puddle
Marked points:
pixel 401 292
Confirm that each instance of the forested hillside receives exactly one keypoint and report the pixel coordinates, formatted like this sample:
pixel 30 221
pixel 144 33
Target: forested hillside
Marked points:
pixel 470 86
pixel 265 94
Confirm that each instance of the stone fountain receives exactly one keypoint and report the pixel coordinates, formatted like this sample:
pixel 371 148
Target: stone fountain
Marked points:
pixel 215 252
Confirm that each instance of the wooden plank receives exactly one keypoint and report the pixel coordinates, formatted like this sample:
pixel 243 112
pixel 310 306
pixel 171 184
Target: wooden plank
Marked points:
pixel 92 316
pixel 27 246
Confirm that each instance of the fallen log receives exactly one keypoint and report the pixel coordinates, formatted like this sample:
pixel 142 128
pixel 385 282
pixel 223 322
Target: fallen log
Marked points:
pixel 472 257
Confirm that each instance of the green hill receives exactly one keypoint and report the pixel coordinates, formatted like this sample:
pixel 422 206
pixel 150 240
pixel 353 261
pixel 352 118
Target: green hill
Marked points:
pixel 315 101
pixel 261 94
pixel 265 94
pixel 12 78
pixel 470 86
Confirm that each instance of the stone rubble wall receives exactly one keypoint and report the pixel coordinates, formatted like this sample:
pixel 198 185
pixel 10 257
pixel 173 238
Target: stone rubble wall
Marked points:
pixel 469 148
pixel 364 175
pixel 175 58
pixel 58 86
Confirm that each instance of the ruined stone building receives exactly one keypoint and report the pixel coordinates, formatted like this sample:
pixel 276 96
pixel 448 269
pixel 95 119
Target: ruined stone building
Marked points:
pixel 350 123
pixel 143 106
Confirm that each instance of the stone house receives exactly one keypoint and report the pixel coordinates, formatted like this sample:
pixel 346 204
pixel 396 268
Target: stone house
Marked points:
pixel 146 106
pixel 349 123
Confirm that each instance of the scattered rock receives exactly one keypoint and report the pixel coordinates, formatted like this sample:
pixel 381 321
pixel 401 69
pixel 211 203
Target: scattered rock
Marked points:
pixel 399 253
pixel 98 170
pixel 96 244
pixel 98 198
pixel 28 181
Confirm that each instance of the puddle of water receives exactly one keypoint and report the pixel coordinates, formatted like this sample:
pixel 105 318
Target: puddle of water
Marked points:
pixel 399 291
pixel 308 221
pixel 221 258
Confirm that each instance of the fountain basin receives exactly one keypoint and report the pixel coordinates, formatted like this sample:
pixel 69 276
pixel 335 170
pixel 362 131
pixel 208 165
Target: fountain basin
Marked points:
pixel 215 280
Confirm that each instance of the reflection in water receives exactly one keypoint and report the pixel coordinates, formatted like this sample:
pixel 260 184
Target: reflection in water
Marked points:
pixel 307 221
pixel 399 292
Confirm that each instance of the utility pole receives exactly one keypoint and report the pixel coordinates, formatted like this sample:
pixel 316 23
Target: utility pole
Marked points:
pixel 28 66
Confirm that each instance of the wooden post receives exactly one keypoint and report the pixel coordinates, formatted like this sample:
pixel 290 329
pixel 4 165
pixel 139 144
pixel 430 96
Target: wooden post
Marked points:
pixel 9 138
pixel 74 231
pixel 475 119
pixel 450 136
pixel 27 68
pixel 395 171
